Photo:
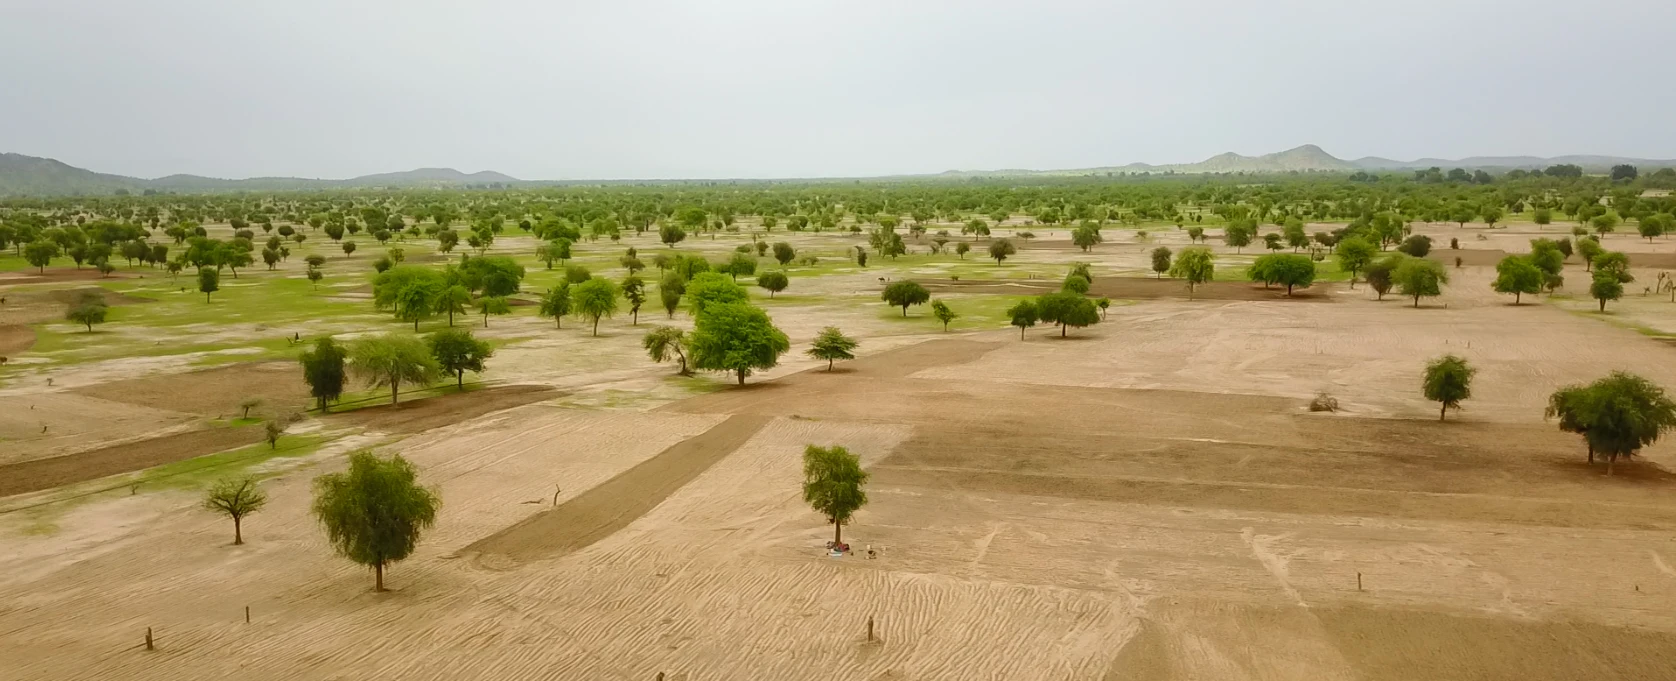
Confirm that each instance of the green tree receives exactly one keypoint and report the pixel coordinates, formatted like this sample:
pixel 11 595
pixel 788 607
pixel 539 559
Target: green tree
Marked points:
pixel 375 512
pixel 495 305
pixel 40 254
pixel 832 485
pixel 1418 277
pixel 1075 283
pixel 324 371
pixel 665 343
pixel 634 291
pixel 713 288
pixel 88 310
pixel 1196 266
pixel 596 298
pixel 1518 275
pixel 209 281
pixel 904 293
pixel 1381 274
pixel 1417 246
pixel 417 301
pixel 741 265
pixel 784 253
pixel 941 311
pixel 670 290
pixel 1606 287
pixel 237 498
pixel 1067 310
pixel 1589 248
pixel 451 301
pixel 391 360
pixel 1617 415
pixel 1023 315
pixel 774 282
pixel 1000 250
pixel 671 234
pixel 1285 269
pixel 736 337
pixel 555 303
pixel 1161 260
pixel 1448 380
pixel 456 351
pixel 962 248
pixel 1354 254
pixel 832 345
pixel 1085 238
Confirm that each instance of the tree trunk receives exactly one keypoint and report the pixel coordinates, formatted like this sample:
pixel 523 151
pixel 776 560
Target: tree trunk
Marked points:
pixel 1602 304
pixel 1021 333
pixel 829 363
pixel 837 533
pixel 1416 302
pixel 904 310
pixel 1591 454
pixel 1515 297
pixel 485 320
pixel 450 319
pixel 393 397
pixel 1610 460
pixel 741 376
pixel 1064 329
pixel 1288 290
pixel 416 325
pixel 206 298
pixel 460 379
pixel 1443 411
pixel 378 576
pixel 596 326
pixel 238 534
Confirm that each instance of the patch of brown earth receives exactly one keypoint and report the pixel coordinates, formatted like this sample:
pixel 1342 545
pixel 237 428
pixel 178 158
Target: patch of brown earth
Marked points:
pixel 213 392
pixel 446 409
pixel 40 474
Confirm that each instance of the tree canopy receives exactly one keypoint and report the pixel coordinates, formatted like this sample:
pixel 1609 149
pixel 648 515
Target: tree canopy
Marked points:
pixel 833 482
pixel 375 512
pixel 1448 381
pixel 736 337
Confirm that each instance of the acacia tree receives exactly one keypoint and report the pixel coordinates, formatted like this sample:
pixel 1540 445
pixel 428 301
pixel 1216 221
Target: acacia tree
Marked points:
pixel 374 513
pixel 1448 380
pixel 209 281
pixel 237 498
pixel 451 301
pixel 634 291
pixel 1418 277
pixel 555 303
pixel 90 309
pixel 832 345
pixel 323 370
pixel 904 293
pixel 1067 310
pixel 1000 250
pixel 1605 286
pixel 1617 415
pixel 1196 266
pixel 941 311
pixel 1161 260
pixel 665 343
pixel 832 485
pixel 596 298
pixel 492 305
pixel 736 337
pixel 1518 275
pixel 773 282
pixel 391 360
pixel 1354 253
pixel 456 351
pixel 1024 315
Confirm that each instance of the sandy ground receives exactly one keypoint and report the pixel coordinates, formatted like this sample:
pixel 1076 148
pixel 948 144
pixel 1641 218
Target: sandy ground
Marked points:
pixel 1148 500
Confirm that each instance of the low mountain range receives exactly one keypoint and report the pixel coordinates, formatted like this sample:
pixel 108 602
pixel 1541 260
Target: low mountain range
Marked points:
pixel 32 176
pixel 22 175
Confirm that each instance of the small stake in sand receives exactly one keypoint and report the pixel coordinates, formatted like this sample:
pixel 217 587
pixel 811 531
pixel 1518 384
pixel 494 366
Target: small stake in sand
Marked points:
pixel 556 491
pixel 870 629
pixel 1358 581
pixel 247 614
pixel 148 645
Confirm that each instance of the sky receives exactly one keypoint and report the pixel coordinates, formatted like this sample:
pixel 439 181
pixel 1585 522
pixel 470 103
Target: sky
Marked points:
pixel 640 89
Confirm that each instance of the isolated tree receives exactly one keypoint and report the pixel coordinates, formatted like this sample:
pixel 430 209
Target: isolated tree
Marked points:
pixel 1380 274
pixel 209 281
pixel 1196 266
pixel 324 371
pixel 774 282
pixel 456 351
pixel 391 360
pixel 784 253
pixel 272 429
pixel 1616 415
pixel 492 305
pixel 1605 287
pixel 555 303
pixel 374 513
pixel 236 497
pixel 40 254
pixel 1518 275
pixel 832 485
pixel 451 301
pixel 1102 303
pixel 1067 310
pixel 1075 283
pixel 1417 246
pixel 596 298
pixel 1085 238
pixel 1448 380
pixel 832 345
pixel 348 248
pixel 634 291
pixel 1000 250
pixel 1418 277
pixel 1615 264
pixel 941 311
pixel 1286 269
pixel 736 337
pixel 962 248
pixel 1354 254
pixel 1161 260
pixel 666 343
pixel 904 293
pixel 671 234
pixel 1589 248
pixel 1023 315
pixel 670 290
pixel 248 404
pixel 88 310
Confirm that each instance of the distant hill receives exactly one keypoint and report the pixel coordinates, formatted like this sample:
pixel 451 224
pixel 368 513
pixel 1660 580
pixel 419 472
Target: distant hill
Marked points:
pixel 32 176
pixel 1311 158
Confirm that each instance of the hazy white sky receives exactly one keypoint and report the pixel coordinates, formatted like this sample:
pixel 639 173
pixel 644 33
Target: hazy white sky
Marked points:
pixel 785 88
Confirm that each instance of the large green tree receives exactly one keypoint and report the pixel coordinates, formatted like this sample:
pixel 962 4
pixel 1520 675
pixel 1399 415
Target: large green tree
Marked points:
pixel 666 343
pixel 325 371
pixel 1195 266
pixel 596 298
pixel 391 360
pixel 1448 380
pixel 832 345
pixel 1419 277
pixel 904 293
pixel 1617 415
pixel 1518 275
pixel 375 512
pixel 456 351
pixel 833 482
pixel 736 337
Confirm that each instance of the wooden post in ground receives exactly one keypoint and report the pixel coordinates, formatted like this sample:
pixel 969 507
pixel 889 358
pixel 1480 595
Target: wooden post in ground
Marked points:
pixel 869 629
pixel 1358 581
pixel 247 614
pixel 660 676
pixel 148 644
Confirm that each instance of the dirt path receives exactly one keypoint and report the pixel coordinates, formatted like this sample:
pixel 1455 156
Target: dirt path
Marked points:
pixel 418 415
pixel 40 474
pixel 611 506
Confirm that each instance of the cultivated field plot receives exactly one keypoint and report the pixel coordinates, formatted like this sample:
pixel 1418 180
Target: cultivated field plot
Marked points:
pixel 1147 500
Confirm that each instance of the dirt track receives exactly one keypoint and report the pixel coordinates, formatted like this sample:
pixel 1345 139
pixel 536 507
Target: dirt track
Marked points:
pixel 418 415
pixel 40 474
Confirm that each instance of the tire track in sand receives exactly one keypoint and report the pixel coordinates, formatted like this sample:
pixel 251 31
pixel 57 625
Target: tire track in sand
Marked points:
pixel 612 505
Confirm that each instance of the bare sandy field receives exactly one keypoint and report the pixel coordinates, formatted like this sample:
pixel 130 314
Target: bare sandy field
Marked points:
pixel 1147 500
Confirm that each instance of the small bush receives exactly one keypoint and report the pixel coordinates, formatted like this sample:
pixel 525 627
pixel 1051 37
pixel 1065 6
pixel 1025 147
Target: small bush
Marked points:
pixel 1323 402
